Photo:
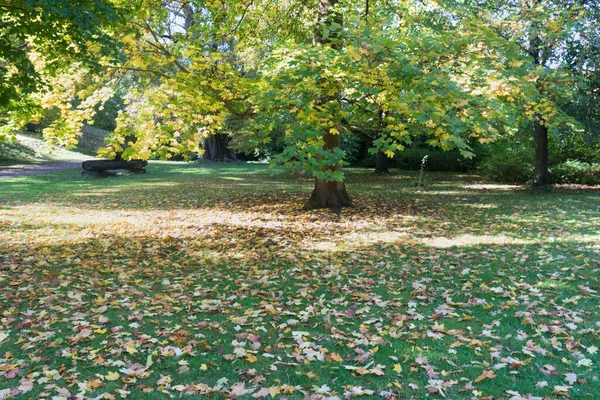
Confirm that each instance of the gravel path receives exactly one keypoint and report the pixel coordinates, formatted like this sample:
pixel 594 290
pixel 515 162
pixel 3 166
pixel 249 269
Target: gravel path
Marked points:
pixel 35 169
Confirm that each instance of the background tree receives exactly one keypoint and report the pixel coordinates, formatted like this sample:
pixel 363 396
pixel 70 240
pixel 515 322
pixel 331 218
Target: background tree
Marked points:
pixel 541 30
pixel 582 55
pixel 396 70
pixel 40 39
pixel 310 72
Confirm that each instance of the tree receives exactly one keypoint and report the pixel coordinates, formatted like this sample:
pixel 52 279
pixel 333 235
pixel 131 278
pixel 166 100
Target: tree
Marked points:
pixel 327 192
pixel 397 69
pixel 582 55
pixel 42 38
pixel 541 31
pixel 313 71
pixel 190 84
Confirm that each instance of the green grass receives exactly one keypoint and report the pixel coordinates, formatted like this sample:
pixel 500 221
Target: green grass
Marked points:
pixel 200 267
pixel 30 148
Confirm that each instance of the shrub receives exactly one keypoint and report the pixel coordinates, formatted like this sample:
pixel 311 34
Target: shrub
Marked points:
pixel 573 171
pixel 437 160
pixel 508 163
pixel 355 147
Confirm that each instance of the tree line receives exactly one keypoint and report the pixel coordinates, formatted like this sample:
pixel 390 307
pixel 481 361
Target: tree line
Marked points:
pixel 303 73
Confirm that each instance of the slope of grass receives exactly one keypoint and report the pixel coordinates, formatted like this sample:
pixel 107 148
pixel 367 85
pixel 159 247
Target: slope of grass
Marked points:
pixel 210 280
pixel 30 148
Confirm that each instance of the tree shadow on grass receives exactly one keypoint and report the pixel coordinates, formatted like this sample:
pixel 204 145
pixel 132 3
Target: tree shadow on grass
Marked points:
pixel 446 216
pixel 227 259
pixel 226 284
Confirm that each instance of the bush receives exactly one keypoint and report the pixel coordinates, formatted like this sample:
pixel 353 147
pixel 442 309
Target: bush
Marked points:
pixel 437 160
pixel 355 147
pixel 582 148
pixel 573 171
pixel 508 163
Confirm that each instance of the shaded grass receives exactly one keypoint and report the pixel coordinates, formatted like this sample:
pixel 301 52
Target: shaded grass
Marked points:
pixel 462 273
pixel 29 148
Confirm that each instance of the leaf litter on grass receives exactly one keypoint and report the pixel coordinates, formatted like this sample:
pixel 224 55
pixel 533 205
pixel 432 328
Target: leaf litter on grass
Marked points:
pixel 245 296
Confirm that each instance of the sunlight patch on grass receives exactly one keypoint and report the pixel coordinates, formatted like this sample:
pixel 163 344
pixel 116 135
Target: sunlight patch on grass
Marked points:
pixel 216 280
pixel 553 284
pixel 472 240
pixel 492 187
pixel 482 206
pixel 356 240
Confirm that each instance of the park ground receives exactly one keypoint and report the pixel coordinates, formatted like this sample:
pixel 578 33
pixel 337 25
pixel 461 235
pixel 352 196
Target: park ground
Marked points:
pixel 211 281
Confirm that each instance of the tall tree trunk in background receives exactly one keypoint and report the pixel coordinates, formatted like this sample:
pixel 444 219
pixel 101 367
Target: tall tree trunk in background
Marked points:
pixel 537 50
pixel 216 148
pixel 381 163
pixel 329 194
pixel 381 159
pixel 541 176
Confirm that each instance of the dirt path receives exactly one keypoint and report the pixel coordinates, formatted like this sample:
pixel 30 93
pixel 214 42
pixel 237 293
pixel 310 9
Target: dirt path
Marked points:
pixel 35 169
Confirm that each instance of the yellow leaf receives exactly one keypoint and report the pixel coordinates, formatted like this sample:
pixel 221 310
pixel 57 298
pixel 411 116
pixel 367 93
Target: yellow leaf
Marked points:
pixel 274 391
pixel 389 153
pixel 96 383
pixel 203 367
pixel 334 131
pixel 287 389
pixel 251 358
pixel 398 368
pixel 100 331
pixel 111 376
pixel 312 375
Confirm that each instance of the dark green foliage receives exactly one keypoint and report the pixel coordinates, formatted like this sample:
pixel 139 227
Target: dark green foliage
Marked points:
pixel 569 146
pixel 106 117
pixel 575 160
pixel 510 163
pixel 60 30
pixel 356 149
pixel 438 160
pixel 573 171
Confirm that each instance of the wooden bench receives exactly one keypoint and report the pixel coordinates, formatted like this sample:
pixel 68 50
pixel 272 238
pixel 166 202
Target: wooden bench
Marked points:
pixel 104 168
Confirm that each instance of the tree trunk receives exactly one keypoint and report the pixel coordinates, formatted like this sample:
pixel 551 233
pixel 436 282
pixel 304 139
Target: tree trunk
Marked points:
pixel 539 51
pixel 381 163
pixel 381 159
pixel 541 176
pixel 216 148
pixel 329 194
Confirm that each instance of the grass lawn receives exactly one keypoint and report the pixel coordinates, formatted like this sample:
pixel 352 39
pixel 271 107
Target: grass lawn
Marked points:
pixel 30 148
pixel 210 280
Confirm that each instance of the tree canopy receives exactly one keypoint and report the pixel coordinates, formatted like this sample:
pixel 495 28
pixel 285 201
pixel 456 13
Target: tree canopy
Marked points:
pixel 42 38
pixel 298 71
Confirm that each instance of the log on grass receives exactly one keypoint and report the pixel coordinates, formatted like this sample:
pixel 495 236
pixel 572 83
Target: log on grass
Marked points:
pixel 106 165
